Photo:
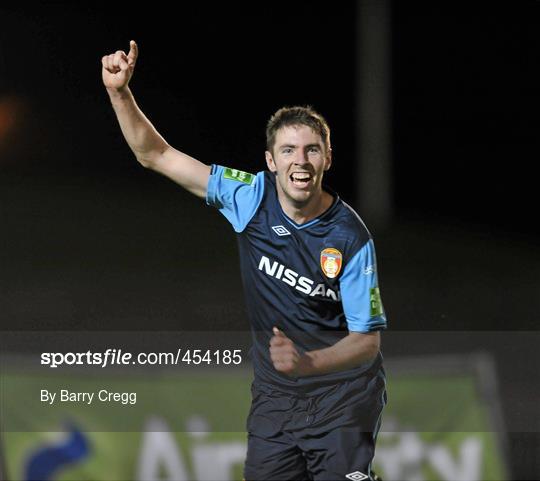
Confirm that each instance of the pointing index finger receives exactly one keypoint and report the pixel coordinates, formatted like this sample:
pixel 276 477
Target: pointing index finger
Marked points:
pixel 133 52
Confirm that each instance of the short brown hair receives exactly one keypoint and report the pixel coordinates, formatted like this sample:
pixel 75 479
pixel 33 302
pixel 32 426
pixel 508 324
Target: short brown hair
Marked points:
pixel 295 116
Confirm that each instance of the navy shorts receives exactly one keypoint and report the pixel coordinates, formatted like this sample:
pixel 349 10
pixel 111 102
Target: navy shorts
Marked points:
pixel 329 436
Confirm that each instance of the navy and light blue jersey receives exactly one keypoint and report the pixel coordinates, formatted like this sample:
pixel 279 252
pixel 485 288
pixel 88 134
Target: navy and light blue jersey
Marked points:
pixel 315 281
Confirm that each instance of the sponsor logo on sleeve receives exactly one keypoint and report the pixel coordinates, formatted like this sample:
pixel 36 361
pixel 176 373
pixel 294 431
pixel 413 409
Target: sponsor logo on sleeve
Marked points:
pixel 238 175
pixel 331 260
pixel 369 270
pixel 375 302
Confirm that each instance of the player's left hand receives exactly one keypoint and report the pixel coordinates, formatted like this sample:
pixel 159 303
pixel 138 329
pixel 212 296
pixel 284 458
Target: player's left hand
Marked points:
pixel 284 354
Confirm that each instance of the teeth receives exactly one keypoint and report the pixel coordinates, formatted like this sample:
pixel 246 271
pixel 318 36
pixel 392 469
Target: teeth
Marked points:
pixel 301 176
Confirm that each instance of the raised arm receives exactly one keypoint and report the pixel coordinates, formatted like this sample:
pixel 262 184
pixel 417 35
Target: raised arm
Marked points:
pixel 150 148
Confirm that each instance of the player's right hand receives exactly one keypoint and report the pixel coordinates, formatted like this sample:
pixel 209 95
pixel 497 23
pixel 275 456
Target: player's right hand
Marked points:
pixel 283 353
pixel 118 67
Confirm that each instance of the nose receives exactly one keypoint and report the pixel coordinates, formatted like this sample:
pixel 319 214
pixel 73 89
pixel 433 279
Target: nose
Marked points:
pixel 301 157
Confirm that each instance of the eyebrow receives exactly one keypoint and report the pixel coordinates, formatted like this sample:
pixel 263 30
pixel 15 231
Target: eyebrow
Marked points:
pixel 282 146
pixel 293 146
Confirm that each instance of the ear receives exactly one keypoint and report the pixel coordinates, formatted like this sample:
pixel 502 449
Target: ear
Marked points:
pixel 270 161
pixel 328 160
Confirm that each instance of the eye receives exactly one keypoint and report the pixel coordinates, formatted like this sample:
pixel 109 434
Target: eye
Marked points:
pixel 286 150
pixel 314 149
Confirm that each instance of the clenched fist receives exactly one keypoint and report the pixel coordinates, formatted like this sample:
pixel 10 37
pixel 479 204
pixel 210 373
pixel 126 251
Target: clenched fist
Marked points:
pixel 284 354
pixel 118 67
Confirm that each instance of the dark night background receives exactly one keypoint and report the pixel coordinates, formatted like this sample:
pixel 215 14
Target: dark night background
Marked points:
pixel 91 240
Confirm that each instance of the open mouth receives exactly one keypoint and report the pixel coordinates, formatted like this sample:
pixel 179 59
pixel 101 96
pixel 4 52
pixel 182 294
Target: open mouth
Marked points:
pixel 300 179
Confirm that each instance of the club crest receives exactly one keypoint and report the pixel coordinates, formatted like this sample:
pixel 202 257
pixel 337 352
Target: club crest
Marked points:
pixel 331 260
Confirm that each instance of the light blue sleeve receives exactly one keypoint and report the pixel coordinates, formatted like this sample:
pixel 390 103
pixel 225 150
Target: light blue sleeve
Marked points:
pixel 236 194
pixel 360 292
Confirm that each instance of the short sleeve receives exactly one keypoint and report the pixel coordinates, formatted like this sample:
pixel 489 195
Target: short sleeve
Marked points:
pixel 236 194
pixel 360 294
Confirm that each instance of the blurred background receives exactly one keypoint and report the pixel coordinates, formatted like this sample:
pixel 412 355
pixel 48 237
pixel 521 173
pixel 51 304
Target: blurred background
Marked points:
pixel 434 111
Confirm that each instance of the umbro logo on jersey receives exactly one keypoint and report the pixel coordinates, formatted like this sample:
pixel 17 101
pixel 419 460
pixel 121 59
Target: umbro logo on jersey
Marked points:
pixel 356 476
pixel 280 230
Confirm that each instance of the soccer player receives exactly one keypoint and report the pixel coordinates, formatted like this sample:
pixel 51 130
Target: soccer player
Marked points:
pixel 308 266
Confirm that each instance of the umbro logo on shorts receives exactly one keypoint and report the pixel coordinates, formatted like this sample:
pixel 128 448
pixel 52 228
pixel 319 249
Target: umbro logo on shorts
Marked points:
pixel 356 476
pixel 280 230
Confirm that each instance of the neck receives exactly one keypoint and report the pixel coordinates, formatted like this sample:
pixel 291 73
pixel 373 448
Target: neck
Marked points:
pixel 302 213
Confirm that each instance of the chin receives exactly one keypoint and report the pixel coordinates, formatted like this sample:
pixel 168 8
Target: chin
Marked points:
pixel 300 198
pixel 297 197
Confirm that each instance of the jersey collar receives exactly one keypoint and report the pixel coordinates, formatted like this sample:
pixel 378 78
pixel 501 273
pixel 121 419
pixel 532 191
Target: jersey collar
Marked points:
pixel 325 214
